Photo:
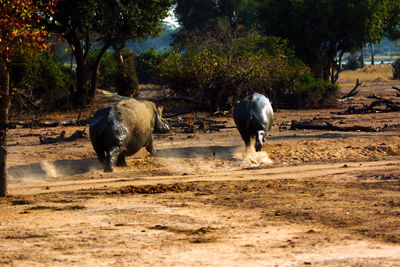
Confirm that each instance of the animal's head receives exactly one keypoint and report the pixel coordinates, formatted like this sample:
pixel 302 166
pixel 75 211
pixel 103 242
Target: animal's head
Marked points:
pixel 160 126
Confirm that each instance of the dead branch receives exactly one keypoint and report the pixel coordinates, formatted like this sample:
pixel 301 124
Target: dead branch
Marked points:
pixel 397 89
pixel 330 127
pixel 374 96
pixel 38 124
pixel 390 106
pixel 24 100
pixel 61 138
pixel 353 91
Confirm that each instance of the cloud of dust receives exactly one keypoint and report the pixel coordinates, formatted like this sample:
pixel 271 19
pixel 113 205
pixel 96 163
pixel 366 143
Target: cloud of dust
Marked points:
pixel 35 172
pixel 49 169
pixel 255 159
pixel 205 159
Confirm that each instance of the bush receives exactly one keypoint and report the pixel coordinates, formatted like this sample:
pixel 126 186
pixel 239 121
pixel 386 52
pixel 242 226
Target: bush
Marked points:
pixel 311 93
pixel 42 77
pixel 144 63
pixel 111 76
pixel 396 69
pixel 353 62
pixel 107 69
pixel 126 82
pixel 221 72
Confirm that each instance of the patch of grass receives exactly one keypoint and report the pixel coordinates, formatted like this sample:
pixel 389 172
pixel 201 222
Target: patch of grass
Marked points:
pixel 368 74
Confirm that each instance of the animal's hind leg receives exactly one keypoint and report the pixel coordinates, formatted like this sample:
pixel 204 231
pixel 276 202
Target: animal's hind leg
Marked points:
pixel 149 145
pixel 246 139
pixel 259 140
pixel 121 162
pixel 111 158
pixel 100 156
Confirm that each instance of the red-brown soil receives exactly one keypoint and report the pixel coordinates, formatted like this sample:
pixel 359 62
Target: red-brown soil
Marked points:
pixel 311 197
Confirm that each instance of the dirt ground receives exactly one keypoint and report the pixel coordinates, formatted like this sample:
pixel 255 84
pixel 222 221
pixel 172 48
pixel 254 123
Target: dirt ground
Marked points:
pixel 311 197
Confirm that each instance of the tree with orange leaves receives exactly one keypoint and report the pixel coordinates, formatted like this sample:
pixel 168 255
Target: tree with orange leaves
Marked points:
pixel 20 32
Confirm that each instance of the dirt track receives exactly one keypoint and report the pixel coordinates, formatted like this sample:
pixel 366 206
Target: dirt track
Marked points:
pixel 327 199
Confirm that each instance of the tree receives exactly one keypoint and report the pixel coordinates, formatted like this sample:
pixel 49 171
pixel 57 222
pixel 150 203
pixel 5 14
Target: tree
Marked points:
pixel 196 15
pixel 88 23
pixel 322 31
pixel 19 32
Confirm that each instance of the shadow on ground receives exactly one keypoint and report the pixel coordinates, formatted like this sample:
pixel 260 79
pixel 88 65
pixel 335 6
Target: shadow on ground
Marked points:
pixel 217 152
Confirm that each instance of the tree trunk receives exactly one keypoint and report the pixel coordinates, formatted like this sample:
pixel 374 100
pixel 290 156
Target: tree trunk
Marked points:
pixel 372 54
pixel 4 105
pixel 95 74
pixel 118 55
pixel 80 95
pixel 337 68
pixel 362 57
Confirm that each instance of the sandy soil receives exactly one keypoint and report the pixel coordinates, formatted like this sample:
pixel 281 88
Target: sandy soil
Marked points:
pixel 309 198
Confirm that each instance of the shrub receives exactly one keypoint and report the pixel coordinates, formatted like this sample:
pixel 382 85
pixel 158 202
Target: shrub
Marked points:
pixel 353 62
pixel 107 69
pixel 220 72
pixel 144 63
pixel 312 93
pixel 396 69
pixel 111 76
pixel 126 82
pixel 42 77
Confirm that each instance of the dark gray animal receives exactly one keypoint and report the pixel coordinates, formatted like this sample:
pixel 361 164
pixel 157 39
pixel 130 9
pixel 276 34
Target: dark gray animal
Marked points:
pixel 253 116
pixel 122 129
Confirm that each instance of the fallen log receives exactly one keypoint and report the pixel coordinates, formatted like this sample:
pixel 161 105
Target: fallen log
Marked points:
pixel 61 138
pixel 390 106
pixel 38 124
pixel 296 125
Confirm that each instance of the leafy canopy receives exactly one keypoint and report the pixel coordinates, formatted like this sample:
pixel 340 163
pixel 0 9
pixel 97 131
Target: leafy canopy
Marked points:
pixel 19 26
pixel 320 30
pixel 195 14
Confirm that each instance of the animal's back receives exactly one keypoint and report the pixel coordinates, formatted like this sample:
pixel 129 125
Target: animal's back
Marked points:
pixel 136 115
pixel 106 130
pixel 251 113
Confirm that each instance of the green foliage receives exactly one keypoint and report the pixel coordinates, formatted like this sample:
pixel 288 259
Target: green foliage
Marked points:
pixel 123 78
pixel 396 69
pixel 127 82
pixel 220 72
pixel 311 93
pixel 84 23
pixel 353 62
pixel 195 14
pixel 202 15
pixel 41 77
pixel 144 63
pixel 321 30
pixel 107 70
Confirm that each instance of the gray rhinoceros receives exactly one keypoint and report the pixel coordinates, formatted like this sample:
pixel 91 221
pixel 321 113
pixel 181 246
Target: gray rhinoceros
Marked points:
pixel 253 116
pixel 122 129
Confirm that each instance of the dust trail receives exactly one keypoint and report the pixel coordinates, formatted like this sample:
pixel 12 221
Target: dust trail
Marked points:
pixel 251 158
pixel 206 159
pixel 36 172
pixel 49 169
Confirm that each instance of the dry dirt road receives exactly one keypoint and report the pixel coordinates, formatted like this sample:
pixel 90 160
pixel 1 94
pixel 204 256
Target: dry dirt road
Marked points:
pixel 319 198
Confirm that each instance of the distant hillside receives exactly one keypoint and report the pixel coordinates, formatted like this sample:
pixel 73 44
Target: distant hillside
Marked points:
pixel 160 43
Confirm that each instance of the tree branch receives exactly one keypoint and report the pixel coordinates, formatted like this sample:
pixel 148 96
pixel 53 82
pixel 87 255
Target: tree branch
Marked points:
pixel 353 91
